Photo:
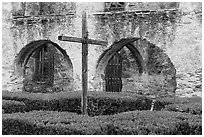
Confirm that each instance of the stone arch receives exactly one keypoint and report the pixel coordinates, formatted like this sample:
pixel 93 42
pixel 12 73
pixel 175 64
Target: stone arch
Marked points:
pixel 150 59
pixel 117 46
pixel 62 71
pixel 26 52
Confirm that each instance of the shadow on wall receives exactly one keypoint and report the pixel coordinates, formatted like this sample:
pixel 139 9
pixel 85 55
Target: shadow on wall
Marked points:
pixel 151 68
pixel 44 66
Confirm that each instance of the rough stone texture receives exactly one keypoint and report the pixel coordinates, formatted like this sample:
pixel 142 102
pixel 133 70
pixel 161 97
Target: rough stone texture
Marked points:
pixel 63 73
pixel 186 49
pixel 150 5
pixel 168 31
pixel 151 61
pixel 159 63
pixel 190 83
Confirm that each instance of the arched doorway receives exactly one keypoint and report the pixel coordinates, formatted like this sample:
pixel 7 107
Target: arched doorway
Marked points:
pixel 113 74
pixel 159 76
pixel 43 64
pixel 111 81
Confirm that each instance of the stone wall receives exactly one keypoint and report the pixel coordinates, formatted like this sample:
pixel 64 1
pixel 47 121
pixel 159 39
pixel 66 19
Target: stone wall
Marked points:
pixel 154 69
pixel 21 32
pixel 151 5
pixel 156 27
pixel 166 30
pixel 63 75
pixel 111 28
pixel 186 49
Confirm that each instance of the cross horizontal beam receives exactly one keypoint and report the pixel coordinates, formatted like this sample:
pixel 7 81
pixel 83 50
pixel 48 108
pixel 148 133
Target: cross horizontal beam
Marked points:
pixel 81 40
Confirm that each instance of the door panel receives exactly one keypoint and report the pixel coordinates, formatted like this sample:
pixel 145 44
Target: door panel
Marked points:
pixel 113 74
pixel 44 64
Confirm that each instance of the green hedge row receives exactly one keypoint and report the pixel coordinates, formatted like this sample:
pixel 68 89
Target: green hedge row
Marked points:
pixel 10 106
pixel 134 122
pixel 193 108
pixel 179 100
pixel 99 103
pixel 188 105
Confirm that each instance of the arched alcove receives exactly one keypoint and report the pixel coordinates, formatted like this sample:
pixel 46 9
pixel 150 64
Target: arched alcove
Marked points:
pixel 43 64
pixel 116 47
pixel 159 70
pixel 108 55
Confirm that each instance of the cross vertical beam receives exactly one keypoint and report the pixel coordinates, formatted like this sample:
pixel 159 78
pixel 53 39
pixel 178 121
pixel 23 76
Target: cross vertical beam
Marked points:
pixel 85 41
pixel 84 64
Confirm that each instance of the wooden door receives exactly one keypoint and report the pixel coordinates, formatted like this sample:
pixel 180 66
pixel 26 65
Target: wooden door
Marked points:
pixel 44 65
pixel 113 74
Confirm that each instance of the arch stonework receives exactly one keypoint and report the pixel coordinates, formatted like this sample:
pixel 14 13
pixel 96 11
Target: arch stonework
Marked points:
pixel 117 46
pixel 140 49
pixel 25 53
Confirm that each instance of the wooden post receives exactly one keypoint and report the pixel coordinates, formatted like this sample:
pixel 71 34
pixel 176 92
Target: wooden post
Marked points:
pixel 85 41
pixel 84 64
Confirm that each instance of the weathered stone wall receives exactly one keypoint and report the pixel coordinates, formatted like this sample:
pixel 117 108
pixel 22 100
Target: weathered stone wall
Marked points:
pixel 22 31
pixel 154 68
pixel 8 50
pixel 157 28
pixel 167 31
pixel 151 5
pixel 111 28
pixel 63 75
pixel 186 49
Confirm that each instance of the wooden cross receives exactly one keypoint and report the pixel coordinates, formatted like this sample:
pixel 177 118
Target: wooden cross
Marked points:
pixel 85 41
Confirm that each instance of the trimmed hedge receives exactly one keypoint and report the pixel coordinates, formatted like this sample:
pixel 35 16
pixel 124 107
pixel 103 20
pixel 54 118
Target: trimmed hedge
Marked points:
pixel 180 100
pixel 188 105
pixel 99 103
pixel 11 106
pixel 135 122
pixel 193 108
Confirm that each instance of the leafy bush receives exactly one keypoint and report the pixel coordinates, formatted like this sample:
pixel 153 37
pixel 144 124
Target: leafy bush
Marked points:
pixel 103 103
pixel 188 105
pixel 134 122
pixel 113 105
pixel 11 106
pixel 53 101
pixel 179 100
pixel 99 103
pixel 187 108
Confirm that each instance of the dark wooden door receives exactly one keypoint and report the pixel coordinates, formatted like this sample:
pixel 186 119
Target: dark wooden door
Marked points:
pixel 113 74
pixel 44 65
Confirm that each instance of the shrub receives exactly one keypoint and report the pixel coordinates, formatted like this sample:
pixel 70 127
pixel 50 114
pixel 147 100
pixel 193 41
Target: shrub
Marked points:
pixel 51 101
pixel 134 122
pixel 99 103
pixel 103 103
pixel 108 105
pixel 193 108
pixel 188 105
pixel 11 106
pixel 179 100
